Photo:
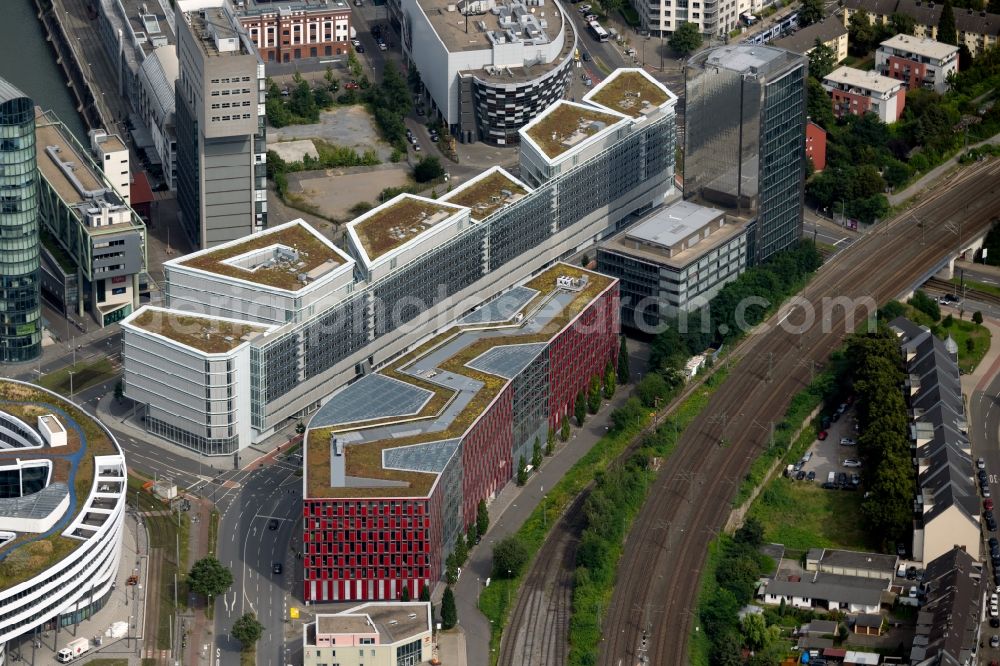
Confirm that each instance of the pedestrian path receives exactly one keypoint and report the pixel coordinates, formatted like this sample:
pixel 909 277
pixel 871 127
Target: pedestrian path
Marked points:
pixel 927 180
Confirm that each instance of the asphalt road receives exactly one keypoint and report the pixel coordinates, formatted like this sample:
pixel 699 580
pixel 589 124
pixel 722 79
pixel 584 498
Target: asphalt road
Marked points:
pixel 249 548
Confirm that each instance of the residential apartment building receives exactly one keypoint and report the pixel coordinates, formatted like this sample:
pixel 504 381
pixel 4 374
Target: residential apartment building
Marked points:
pixel 947 503
pixel 949 623
pixel 220 124
pixel 383 506
pixel 377 634
pixel 917 61
pixel 713 17
pixel 297 30
pixel 745 136
pixel 20 274
pixel 978 30
pixel 816 145
pixel 830 32
pixel 111 155
pixel 94 244
pixel 490 72
pixel 857 92
pixel 140 41
pixel 673 261
pixel 433 261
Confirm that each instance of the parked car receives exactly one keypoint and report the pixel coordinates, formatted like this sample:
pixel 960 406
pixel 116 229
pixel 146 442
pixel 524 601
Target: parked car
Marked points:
pixel 847 441
pixel 823 434
pixel 842 479
pixel 824 423
pixel 351 85
pixel 995 622
pixel 828 485
pixel 852 462
pixel 983 476
pixel 382 46
pixel 855 479
pixel 811 475
pixel 988 504
pixel 991 525
pixel 994 641
pixel 980 463
pixel 586 57
pixel 989 515
pixel 986 491
pixel 416 147
pixel 359 48
pixel 355 42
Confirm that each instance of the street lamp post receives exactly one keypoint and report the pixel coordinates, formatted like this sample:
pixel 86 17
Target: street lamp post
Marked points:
pixel 71 385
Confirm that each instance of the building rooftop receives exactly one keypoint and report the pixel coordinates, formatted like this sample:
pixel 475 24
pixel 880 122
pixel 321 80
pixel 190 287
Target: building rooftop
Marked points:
pixel 211 335
pixel 259 7
pixel 393 621
pixel 111 143
pixel 289 257
pixel 73 469
pixel 401 451
pixel 805 38
pixel 147 21
pixel 64 163
pixel 850 559
pixel 492 22
pixel 632 92
pixel 659 236
pixel 920 46
pixel 865 80
pixel 487 193
pixel 396 222
pixel 744 58
pixel 216 30
pixel 566 125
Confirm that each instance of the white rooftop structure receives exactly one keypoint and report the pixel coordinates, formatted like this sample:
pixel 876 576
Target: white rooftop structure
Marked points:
pixel 921 46
pixel 859 78
pixel 674 224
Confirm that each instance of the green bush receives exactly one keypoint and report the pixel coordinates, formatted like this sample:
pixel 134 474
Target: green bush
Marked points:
pixel 510 554
pixel 428 169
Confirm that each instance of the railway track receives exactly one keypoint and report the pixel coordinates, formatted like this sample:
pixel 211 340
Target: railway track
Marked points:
pixel 938 286
pixel 658 576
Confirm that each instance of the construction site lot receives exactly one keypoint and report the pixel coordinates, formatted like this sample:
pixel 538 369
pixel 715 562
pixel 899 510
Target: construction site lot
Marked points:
pixel 333 192
pixel 348 126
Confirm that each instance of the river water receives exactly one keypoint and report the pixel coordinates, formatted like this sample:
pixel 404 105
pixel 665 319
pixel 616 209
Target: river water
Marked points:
pixel 27 61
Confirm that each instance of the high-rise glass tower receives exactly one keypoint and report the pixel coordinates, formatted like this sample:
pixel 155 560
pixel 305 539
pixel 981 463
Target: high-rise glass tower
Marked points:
pixel 745 139
pixel 20 310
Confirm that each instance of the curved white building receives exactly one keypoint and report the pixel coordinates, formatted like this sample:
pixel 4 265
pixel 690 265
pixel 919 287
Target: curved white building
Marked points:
pixel 59 550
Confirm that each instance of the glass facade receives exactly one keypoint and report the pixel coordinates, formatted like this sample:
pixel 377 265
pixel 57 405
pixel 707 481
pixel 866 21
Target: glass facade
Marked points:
pixel 745 137
pixel 20 263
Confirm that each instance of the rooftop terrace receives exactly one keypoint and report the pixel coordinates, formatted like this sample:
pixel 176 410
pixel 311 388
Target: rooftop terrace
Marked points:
pixel 463 369
pixel 494 190
pixel 567 125
pixel 277 258
pixel 397 222
pixel 206 334
pixel 474 34
pixel 630 92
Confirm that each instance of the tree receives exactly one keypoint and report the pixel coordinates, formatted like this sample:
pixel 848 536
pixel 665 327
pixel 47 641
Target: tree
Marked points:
pixel 860 32
pixel 623 371
pixel 609 381
pixel 594 395
pixel 471 535
pixel 819 107
pixel 810 12
pixel 482 517
pixel 449 613
pixel 754 631
pixel 686 39
pixel 652 389
pixel 751 533
pixel 247 630
pixel 536 454
pixel 946 25
pixel 405 594
pixel 353 64
pixel 970 345
pixel 902 24
pixel 509 557
pixel 924 303
pixel 461 550
pixel 550 442
pixel 948 321
pixel 580 409
pixel 428 169
pixel 564 429
pixel 119 390
pixel 209 577
pixel 425 592
pixel 822 59
pixel 522 471
pixel 585 260
pixel 977 317
pixel 300 428
pixel 451 569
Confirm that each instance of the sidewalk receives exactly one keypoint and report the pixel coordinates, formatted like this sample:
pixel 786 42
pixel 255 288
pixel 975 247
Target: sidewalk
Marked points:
pixel 987 369
pixel 511 508
pixel 927 180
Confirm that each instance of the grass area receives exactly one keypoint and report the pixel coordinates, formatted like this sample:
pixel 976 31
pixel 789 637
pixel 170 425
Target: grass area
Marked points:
pixel 979 286
pixel 207 334
pixel 961 330
pixel 85 375
pixel 626 92
pixel 801 515
pixel 485 196
pixel 213 532
pixel 163 533
pixel 401 222
pixel 699 646
pixel 248 657
pixel 555 129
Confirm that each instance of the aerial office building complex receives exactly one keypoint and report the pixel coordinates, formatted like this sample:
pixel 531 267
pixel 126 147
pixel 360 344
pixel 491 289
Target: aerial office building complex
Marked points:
pixel 220 122
pixel 59 548
pixel 294 318
pixel 397 462
pixel 489 67
pixel 20 268
pixel 745 133
pixel 94 244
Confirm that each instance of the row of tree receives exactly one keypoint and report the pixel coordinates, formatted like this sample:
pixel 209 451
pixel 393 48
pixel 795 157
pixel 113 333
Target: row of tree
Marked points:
pixel 884 447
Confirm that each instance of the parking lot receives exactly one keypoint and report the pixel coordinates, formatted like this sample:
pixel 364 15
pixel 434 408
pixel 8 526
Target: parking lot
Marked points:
pixel 827 455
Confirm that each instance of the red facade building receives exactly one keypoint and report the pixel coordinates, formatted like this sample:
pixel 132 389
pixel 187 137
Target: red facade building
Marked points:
pixel 372 544
pixel 289 32
pixel 816 145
